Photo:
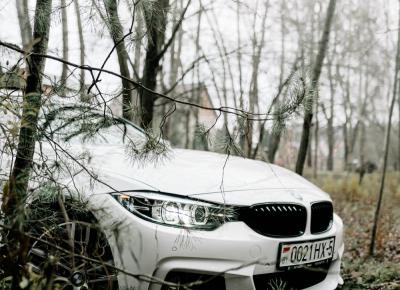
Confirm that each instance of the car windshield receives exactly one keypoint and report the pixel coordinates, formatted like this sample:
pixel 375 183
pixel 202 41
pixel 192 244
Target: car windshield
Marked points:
pixel 80 125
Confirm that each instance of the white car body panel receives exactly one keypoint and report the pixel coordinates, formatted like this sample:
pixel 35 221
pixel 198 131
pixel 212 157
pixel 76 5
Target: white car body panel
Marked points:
pixel 203 175
pixel 233 248
pixel 145 248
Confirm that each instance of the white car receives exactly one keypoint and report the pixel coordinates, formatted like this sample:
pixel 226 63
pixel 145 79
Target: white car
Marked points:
pixel 192 219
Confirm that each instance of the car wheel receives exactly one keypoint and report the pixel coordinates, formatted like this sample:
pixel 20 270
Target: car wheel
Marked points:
pixel 72 255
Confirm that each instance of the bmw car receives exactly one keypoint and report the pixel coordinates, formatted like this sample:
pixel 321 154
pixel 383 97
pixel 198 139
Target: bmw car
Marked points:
pixel 182 219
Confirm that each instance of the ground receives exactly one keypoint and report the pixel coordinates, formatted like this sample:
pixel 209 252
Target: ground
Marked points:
pixel 356 205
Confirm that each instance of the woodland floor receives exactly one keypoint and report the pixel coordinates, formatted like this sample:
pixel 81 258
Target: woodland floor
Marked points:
pixel 356 205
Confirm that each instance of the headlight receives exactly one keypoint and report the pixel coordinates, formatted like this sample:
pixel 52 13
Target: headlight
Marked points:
pixel 175 211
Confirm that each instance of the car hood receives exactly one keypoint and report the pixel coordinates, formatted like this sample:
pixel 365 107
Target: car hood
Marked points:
pixel 203 175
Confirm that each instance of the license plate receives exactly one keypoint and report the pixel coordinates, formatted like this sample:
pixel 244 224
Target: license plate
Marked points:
pixel 296 254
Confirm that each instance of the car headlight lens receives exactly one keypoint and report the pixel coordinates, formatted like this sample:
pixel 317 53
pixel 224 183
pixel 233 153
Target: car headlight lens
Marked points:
pixel 175 211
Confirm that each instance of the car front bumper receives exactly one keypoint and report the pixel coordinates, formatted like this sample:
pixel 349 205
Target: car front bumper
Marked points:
pixel 233 252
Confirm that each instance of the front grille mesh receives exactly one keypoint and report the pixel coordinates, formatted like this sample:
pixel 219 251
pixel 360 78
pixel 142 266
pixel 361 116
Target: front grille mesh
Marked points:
pixel 321 216
pixel 275 219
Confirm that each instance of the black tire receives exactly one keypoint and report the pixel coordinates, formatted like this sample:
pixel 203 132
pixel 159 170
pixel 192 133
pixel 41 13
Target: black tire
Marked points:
pixel 72 254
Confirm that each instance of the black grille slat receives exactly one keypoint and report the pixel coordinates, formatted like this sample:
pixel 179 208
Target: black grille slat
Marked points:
pixel 321 217
pixel 275 219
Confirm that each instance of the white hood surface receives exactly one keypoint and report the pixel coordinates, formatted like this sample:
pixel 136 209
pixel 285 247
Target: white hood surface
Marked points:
pixel 204 175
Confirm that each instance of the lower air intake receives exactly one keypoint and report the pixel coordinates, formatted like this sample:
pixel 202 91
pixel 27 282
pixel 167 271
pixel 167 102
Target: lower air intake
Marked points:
pixel 292 279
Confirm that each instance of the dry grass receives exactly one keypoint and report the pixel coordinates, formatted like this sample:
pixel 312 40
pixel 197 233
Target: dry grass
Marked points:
pixel 355 203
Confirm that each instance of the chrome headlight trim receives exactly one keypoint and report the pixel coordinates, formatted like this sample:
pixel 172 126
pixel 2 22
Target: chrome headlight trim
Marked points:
pixel 173 210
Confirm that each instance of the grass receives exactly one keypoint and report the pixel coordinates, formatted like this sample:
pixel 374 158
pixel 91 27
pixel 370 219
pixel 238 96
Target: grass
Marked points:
pixel 355 203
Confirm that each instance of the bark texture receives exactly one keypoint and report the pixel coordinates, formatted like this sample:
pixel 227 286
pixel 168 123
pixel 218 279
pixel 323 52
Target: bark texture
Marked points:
pixel 117 34
pixel 275 137
pixel 24 23
pixel 330 130
pixel 317 67
pixel 18 181
pixel 257 47
pixel 84 97
pixel 64 21
pixel 156 24
pixel 15 190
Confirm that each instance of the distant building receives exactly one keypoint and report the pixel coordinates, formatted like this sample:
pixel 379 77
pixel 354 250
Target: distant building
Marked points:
pixel 186 125
pixel 15 79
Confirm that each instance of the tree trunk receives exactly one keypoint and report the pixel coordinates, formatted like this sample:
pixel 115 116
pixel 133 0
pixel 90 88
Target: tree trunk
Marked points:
pixel 346 147
pixel 273 145
pixel 173 65
pixel 347 124
pixel 387 143
pixel 84 97
pixel 117 34
pixel 276 132
pixel 137 55
pixel 199 89
pixel 310 150
pixel 315 78
pixel 258 45
pixel 316 144
pixel 17 186
pixel 156 24
pixel 331 143
pixel 24 24
pixel 18 181
pixel 138 44
pixel 240 121
pixel 329 119
pixel 362 168
pixel 64 21
pixel 187 129
pixel 354 135
pixel 275 137
pixel 398 145
pixel 219 44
